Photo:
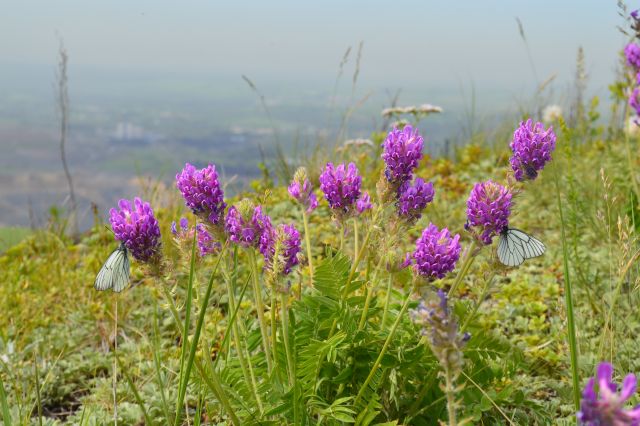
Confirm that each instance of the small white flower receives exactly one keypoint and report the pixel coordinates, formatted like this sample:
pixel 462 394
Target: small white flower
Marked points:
pixel 551 114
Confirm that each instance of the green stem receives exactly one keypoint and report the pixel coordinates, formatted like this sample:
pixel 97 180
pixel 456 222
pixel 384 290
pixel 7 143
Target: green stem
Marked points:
pixel 365 310
pixel 290 360
pixel 573 346
pixel 260 309
pixel 187 315
pixel 466 264
pixel 213 382
pixel 307 240
pixel 355 235
pixel 248 373
pixel 451 397
pixel 383 351
pixel 483 295
pixel 387 301
pixel 196 336
pixel 274 330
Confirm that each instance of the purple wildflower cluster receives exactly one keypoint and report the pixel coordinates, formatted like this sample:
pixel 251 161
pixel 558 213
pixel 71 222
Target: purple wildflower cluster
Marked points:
pixel 184 234
pixel 532 146
pixel 341 186
pixel 289 239
pixel 248 231
pixel 488 210
pixel 202 192
pixel 136 227
pixel 606 407
pixel 413 199
pixel 402 151
pixel 302 191
pixel 436 253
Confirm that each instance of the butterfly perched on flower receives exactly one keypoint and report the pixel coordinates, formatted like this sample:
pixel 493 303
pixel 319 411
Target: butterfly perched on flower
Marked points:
pixel 115 272
pixel 515 246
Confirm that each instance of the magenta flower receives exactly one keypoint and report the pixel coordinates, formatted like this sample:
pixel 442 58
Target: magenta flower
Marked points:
pixel 402 151
pixel 137 228
pixel 634 102
pixel 364 203
pixel 532 146
pixel 436 253
pixel 303 193
pixel 248 232
pixel 290 247
pixel 632 53
pixel 202 192
pixel 341 186
pixel 184 234
pixel 607 406
pixel 412 199
pixel 488 209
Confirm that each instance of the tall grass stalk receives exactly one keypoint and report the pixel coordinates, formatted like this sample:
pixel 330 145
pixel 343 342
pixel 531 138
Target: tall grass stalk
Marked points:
pixel 135 392
pixel 385 346
pixel 260 308
pixel 6 414
pixel 37 380
pixel 290 358
pixel 115 361
pixel 307 240
pixel 196 335
pixel 568 298
pixel 158 368
pixel 212 381
pixel 469 257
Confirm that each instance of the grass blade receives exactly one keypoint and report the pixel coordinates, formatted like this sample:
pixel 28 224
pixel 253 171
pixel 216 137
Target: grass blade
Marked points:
pixel 135 392
pixel 6 414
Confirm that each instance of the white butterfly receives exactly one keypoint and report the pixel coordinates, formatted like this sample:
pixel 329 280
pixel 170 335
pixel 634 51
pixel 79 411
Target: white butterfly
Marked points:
pixel 515 246
pixel 115 273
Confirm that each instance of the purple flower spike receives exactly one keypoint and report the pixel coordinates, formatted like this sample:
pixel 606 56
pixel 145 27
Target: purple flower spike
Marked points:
pixel 137 228
pixel 412 199
pixel 341 186
pixel 437 252
pixel 634 101
pixel 364 203
pixel 202 192
pixel 532 146
pixel 289 239
pixel 632 53
pixel 302 191
pixel 607 407
pixel 206 243
pixel 488 209
pixel 402 151
pixel 248 233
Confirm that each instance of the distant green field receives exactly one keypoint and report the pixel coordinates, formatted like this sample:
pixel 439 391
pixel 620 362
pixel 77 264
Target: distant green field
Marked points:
pixel 11 236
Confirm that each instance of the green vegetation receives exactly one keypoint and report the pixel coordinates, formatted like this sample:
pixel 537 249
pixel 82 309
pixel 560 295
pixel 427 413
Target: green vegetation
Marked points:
pixel 12 235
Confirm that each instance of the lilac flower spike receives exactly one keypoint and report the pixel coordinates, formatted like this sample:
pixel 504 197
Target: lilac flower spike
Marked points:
pixel 364 203
pixel 607 406
pixel 532 146
pixel 251 231
pixel 136 226
pixel 341 186
pixel 488 209
pixel 202 192
pixel 402 151
pixel 412 199
pixel 634 101
pixel 184 234
pixel 289 239
pixel 437 252
pixel 632 53
pixel 302 191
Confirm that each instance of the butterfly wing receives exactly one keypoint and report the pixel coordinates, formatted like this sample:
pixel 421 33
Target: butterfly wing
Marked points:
pixel 531 246
pixel 515 246
pixel 115 272
pixel 510 253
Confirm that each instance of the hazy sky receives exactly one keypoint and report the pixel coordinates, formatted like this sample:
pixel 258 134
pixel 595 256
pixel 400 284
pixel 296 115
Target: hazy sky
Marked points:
pixel 406 43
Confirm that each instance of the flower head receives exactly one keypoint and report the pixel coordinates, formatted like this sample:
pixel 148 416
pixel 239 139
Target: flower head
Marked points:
pixel 285 240
pixel 364 203
pixel 634 102
pixel 302 191
pixel 412 199
pixel 551 113
pixel 436 253
pixel 532 146
pixel 136 226
pixel 402 150
pixel 202 192
pixel 488 209
pixel 184 235
pixel 247 226
pixel 607 406
pixel 341 186
pixel 632 53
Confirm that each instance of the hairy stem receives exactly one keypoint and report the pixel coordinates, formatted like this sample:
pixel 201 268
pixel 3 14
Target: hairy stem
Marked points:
pixel 307 240
pixel 260 309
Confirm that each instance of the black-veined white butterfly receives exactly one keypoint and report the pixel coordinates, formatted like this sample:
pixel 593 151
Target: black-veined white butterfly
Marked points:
pixel 115 273
pixel 515 246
